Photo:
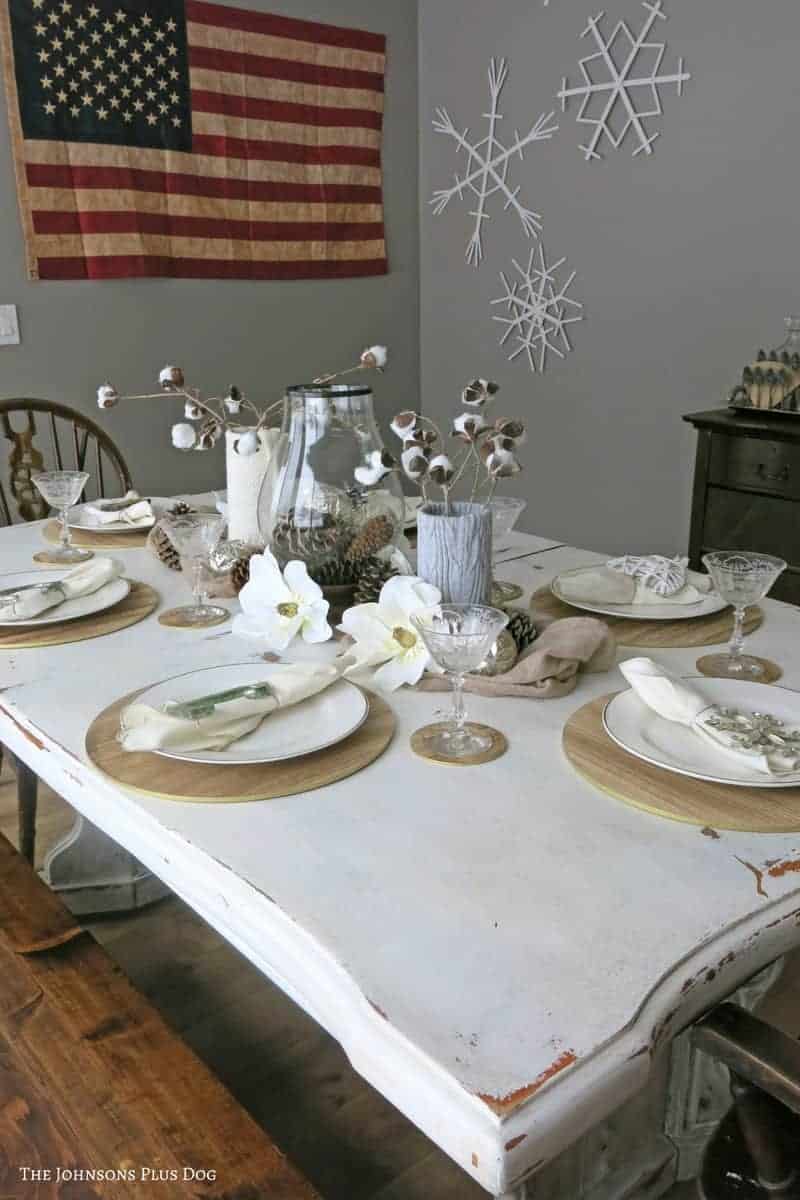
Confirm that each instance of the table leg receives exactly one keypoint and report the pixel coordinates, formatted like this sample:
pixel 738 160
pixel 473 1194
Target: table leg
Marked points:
pixel 95 875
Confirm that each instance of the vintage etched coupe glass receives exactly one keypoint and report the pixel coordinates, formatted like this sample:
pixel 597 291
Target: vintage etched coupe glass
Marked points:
pixel 506 511
pixel 62 489
pixel 195 536
pixel 458 636
pixel 742 578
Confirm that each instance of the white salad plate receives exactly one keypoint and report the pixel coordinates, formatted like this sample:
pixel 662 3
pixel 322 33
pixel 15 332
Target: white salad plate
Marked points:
pixel 711 603
pixel 69 610
pixel 314 724
pixel 80 518
pixel 634 726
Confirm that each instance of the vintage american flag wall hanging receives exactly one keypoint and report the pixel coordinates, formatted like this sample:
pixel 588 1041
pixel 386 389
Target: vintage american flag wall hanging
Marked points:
pixel 192 140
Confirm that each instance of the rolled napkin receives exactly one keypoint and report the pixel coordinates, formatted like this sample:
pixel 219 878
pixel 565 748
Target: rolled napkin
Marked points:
pixel 130 510
pixel 33 599
pixel 143 727
pixel 550 667
pixel 611 583
pixel 753 739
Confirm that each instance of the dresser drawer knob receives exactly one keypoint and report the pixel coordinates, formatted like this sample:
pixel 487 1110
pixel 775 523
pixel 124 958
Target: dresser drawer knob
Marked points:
pixel 780 477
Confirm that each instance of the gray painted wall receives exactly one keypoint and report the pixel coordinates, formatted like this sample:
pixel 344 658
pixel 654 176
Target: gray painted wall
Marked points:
pixel 261 335
pixel 687 261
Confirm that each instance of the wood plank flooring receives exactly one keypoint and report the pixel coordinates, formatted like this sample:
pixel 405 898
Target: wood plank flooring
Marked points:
pixel 279 1064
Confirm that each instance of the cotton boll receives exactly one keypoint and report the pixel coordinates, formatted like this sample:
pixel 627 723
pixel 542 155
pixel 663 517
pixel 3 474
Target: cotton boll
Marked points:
pixel 183 436
pixel 107 395
pixel 441 469
pixel 171 379
pixel 414 462
pixel 468 426
pixel 192 411
pixel 379 463
pixel 248 444
pixel 375 357
pixel 404 424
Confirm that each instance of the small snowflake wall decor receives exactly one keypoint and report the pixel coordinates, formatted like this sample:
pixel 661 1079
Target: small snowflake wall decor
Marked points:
pixel 538 310
pixel 486 174
pixel 620 85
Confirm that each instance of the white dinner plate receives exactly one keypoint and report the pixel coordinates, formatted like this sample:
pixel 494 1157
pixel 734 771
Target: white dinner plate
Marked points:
pixel 79 518
pixel 711 603
pixel 312 725
pixel 105 597
pixel 636 728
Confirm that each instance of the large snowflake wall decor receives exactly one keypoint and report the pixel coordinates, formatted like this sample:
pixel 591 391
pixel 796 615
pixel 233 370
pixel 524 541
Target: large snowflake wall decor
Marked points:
pixel 622 98
pixel 487 170
pixel 538 310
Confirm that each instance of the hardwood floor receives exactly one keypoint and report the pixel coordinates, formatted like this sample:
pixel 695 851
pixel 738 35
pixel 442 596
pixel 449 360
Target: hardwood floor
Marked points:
pixel 279 1064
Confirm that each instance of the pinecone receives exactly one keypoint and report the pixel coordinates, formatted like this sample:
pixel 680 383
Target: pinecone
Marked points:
pixel 306 542
pixel 374 534
pixel 240 574
pixel 336 572
pixel 181 508
pixel 160 545
pixel 373 574
pixel 521 628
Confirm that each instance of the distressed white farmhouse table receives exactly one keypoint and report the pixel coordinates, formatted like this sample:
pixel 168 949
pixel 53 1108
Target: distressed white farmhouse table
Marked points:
pixel 505 953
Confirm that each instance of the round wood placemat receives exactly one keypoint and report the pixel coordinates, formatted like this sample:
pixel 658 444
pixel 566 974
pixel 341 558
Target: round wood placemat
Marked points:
pixel 711 630
pixel 666 794
pixel 89 540
pixel 171 779
pixel 138 604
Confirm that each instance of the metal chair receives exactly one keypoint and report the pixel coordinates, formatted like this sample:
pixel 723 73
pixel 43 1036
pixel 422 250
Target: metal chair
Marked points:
pixel 755 1154
pixel 74 442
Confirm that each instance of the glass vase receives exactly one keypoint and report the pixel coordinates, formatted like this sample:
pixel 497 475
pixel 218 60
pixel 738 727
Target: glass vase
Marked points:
pixel 318 506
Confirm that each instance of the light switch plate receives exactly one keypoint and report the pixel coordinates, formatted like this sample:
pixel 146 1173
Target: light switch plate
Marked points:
pixel 9 325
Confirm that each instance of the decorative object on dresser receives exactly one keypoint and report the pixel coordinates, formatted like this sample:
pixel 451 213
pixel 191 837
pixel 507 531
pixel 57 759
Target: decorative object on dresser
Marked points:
pixel 747 489
pixel 771 384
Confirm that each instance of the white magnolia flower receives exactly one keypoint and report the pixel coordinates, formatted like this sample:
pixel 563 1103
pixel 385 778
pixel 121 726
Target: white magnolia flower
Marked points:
pixel 376 357
pixel 248 444
pixel 276 605
pixel 415 464
pixel 171 378
pixel 468 426
pixel 183 436
pixel 441 469
pixel 379 463
pixel 107 395
pixel 384 636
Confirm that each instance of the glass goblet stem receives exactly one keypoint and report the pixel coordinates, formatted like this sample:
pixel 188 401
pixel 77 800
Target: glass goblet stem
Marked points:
pixel 199 582
pixel 458 712
pixel 66 540
pixel 736 644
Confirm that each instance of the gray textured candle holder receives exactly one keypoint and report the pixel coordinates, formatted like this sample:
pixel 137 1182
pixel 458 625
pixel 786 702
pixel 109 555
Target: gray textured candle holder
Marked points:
pixel 454 551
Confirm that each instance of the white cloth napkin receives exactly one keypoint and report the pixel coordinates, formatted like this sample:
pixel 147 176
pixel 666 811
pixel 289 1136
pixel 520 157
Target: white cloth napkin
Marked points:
pixel 32 600
pixel 675 700
pixel 138 513
pixel 143 727
pixel 604 585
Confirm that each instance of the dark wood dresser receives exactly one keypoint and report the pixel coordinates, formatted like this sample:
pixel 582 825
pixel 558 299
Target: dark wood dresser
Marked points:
pixel 747 489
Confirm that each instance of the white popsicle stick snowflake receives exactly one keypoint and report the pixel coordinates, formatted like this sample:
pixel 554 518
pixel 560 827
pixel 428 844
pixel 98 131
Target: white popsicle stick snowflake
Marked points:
pixel 626 99
pixel 538 310
pixel 488 163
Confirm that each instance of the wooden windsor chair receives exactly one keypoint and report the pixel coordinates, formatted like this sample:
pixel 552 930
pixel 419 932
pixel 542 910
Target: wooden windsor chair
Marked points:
pixel 755 1153
pixel 72 442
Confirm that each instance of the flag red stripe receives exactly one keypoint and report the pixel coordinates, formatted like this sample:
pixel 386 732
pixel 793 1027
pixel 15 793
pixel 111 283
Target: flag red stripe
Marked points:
pixel 283 68
pixel 281 110
pixel 223 146
pixel 128 266
pixel 205 227
pixel 285 27
pixel 168 183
